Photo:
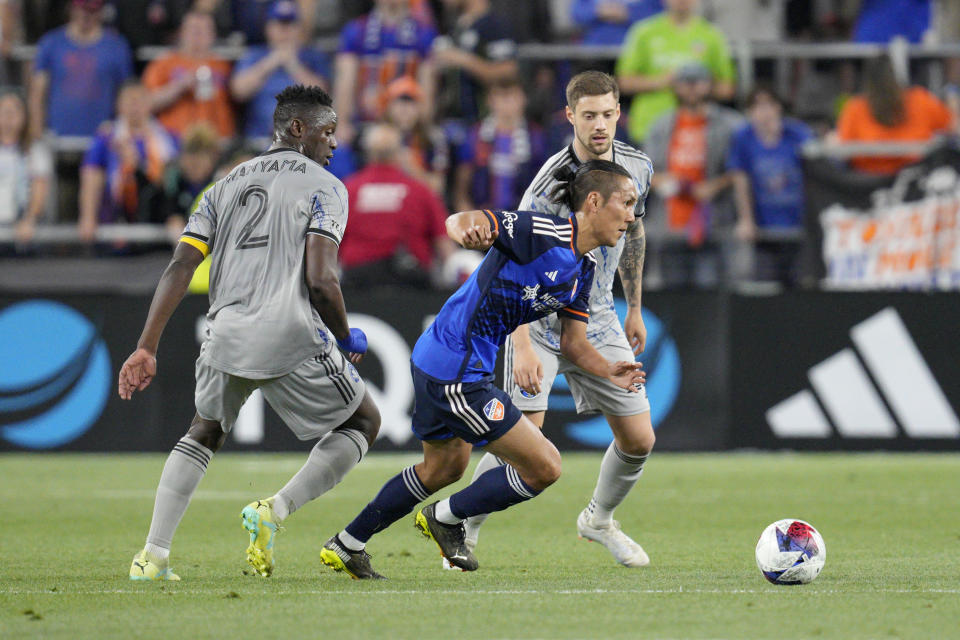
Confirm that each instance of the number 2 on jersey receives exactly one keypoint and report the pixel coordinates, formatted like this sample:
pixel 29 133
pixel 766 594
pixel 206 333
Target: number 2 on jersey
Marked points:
pixel 247 240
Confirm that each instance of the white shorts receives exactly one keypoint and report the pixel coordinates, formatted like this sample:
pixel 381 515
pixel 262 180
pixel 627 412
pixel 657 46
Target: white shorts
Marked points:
pixel 591 393
pixel 312 400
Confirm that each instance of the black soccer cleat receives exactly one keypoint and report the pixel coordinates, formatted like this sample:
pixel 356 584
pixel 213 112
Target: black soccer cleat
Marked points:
pixel 356 564
pixel 449 537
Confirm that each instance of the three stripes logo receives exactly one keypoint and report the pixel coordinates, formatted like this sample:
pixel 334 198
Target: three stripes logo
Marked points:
pixel 552 275
pixel 872 390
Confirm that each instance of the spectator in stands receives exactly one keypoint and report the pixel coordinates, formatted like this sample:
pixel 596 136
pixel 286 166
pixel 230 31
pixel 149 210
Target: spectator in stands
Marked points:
pixel 396 232
pixel 188 177
pixel 605 22
pixel 126 156
pixel 78 71
pixel 375 49
pixel 503 152
pixel 882 20
pixel 424 144
pixel 191 84
pixel 266 70
pixel 689 146
pixel 26 170
pixel 655 48
pixel 251 16
pixel 479 51
pixel 889 112
pixel 767 172
pixel 155 22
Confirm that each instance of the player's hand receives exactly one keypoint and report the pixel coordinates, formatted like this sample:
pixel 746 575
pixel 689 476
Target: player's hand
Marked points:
pixel 527 369
pixel 137 372
pixel 627 375
pixel 746 230
pixel 355 345
pixel 479 236
pixel 636 331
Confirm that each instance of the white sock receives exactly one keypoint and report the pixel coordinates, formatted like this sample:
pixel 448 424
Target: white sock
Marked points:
pixel 157 553
pixel 619 472
pixel 350 542
pixel 330 460
pixel 442 513
pixel 473 523
pixel 182 473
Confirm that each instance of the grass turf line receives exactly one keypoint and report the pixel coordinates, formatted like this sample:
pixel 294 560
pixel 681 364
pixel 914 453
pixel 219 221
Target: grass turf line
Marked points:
pixel 891 525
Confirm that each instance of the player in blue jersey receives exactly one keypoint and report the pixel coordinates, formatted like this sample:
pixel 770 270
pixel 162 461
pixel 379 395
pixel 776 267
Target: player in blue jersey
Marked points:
pixel 537 265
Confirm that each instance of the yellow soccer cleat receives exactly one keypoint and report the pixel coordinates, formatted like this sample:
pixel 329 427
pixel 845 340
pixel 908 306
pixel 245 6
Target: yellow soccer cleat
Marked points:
pixel 145 567
pixel 258 518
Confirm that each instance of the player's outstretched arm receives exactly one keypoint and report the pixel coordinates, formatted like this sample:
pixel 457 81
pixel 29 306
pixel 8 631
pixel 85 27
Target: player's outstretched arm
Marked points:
pixel 631 276
pixel 140 368
pixel 323 284
pixel 527 368
pixel 472 229
pixel 577 349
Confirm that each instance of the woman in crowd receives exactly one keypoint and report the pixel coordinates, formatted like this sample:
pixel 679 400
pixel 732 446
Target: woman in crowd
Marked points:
pixel 26 170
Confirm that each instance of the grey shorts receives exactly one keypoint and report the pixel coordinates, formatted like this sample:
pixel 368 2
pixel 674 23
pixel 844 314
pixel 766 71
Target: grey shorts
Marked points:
pixel 312 400
pixel 591 393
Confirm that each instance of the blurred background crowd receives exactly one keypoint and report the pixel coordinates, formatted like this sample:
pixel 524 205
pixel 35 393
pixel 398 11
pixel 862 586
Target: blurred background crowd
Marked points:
pixel 121 112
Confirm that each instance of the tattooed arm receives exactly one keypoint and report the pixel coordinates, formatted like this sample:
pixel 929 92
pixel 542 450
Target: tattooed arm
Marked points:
pixel 631 276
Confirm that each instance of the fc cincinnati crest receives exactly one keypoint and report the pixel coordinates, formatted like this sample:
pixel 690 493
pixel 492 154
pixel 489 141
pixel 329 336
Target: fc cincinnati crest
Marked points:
pixel 493 410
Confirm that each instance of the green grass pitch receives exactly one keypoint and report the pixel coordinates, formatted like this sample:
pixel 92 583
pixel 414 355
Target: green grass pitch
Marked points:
pixel 71 524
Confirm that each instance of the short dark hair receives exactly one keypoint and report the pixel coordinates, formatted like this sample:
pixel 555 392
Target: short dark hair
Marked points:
pixel 575 185
pixel 591 83
pixel 764 90
pixel 296 101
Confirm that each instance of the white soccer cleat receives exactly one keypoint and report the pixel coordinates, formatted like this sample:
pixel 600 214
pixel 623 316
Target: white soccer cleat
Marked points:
pixel 620 545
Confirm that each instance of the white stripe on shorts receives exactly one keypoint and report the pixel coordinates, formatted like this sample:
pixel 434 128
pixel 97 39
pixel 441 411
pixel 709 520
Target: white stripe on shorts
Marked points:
pixel 457 404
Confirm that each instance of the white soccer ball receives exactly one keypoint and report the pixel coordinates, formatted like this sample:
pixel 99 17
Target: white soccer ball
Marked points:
pixel 791 552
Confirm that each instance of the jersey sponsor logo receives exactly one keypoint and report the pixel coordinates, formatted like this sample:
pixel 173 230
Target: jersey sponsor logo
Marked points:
pixel 552 275
pixel 54 377
pixel 509 217
pixel 859 405
pixel 494 410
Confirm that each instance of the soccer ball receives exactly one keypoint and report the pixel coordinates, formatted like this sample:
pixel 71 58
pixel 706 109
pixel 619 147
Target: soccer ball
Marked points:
pixel 790 552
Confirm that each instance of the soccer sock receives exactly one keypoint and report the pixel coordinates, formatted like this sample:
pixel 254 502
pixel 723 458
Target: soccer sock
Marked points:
pixel 396 499
pixel 473 523
pixel 494 490
pixel 619 471
pixel 330 460
pixel 182 473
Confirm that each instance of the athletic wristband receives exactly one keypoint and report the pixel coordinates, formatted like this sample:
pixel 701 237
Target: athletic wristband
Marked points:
pixel 356 342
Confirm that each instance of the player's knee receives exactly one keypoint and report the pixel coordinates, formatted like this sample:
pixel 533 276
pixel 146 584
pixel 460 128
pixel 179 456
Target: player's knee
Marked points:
pixel 369 424
pixel 435 477
pixel 207 433
pixel 639 444
pixel 546 471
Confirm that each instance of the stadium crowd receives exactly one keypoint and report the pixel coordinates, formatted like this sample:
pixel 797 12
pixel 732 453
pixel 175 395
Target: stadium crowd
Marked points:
pixel 437 114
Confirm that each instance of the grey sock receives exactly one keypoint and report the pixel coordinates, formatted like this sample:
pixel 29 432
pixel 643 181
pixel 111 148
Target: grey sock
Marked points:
pixel 329 461
pixel 182 473
pixel 473 523
pixel 619 471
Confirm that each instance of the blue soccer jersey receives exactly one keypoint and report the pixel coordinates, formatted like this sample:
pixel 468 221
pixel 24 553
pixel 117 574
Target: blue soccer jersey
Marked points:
pixel 532 270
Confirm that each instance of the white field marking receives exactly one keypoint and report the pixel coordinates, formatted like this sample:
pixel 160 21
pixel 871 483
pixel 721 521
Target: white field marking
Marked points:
pixel 495 592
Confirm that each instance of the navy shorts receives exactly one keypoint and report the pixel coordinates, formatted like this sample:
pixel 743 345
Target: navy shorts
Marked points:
pixel 477 412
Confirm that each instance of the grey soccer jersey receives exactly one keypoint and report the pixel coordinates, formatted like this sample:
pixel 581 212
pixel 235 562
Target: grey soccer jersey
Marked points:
pixel 254 223
pixel 604 325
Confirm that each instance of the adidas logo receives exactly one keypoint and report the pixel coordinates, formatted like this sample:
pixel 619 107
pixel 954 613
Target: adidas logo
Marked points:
pixel 895 388
pixel 552 275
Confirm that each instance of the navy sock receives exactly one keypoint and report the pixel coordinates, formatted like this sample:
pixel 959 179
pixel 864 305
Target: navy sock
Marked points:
pixel 494 490
pixel 396 499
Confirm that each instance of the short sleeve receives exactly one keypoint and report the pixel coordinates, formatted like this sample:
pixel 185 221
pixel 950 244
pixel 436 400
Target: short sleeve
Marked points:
pixel 523 236
pixel 350 38
pixel 40 161
pixel 156 74
pixel 737 158
pixel 328 212
pixel 633 56
pixel 202 225
pixel 98 154
pixel 43 61
pixel 579 309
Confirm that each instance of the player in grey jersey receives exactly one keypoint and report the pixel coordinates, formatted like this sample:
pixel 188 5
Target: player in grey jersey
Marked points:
pixel 272 227
pixel 532 356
